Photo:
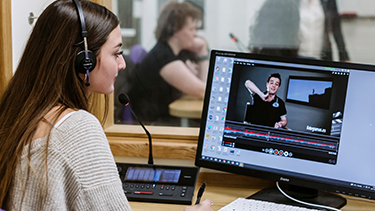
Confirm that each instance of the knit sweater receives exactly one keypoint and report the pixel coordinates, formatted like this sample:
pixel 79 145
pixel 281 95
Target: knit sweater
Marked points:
pixel 82 173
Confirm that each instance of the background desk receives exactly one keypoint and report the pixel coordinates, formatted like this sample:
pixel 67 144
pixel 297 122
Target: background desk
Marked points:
pixel 223 188
pixel 187 107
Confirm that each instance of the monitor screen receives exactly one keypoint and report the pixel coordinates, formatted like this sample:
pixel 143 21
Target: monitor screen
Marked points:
pixel 303 122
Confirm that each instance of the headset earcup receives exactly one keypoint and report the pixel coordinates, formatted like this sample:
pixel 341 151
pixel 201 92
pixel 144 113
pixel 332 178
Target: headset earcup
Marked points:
pixel 170 30
pixel 82 64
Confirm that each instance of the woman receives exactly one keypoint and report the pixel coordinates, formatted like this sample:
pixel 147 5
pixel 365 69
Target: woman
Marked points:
pixel 54 153
pixel 163 75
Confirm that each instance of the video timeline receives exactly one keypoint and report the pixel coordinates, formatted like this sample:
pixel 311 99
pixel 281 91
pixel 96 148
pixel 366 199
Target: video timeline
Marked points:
pixel 275 138
pixel 301 145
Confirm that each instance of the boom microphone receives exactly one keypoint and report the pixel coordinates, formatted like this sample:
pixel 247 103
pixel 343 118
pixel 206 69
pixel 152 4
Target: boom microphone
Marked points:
pixel 233 37
pixel 238 43
pixel 186 176
pixel 124 100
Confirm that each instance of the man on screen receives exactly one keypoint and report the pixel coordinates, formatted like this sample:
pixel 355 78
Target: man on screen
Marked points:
pixel 266 108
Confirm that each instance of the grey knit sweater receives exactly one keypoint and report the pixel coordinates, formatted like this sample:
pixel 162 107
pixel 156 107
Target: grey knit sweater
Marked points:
pixel 82 173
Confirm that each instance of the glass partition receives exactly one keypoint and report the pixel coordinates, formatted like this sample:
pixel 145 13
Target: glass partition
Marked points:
pixel 338 30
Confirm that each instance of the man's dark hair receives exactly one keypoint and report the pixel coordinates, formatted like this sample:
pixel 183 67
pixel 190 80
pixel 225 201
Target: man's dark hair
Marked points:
pixel 275 75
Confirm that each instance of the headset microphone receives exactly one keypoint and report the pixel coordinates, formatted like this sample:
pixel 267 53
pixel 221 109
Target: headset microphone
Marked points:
pixel 124 100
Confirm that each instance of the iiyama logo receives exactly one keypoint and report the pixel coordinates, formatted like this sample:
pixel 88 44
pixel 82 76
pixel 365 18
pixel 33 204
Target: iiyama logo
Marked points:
pixel 284 179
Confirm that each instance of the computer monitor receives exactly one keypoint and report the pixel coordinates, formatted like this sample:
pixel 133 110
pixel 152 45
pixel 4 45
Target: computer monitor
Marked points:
pixel 328 142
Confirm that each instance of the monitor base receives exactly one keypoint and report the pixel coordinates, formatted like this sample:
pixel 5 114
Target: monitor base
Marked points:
pixel 304 194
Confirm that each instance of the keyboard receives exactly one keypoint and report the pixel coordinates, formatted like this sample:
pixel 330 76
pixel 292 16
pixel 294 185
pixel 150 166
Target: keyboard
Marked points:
pixel 242 204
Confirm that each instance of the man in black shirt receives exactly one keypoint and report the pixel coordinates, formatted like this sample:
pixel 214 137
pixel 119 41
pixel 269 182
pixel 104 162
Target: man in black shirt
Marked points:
pixel 266 108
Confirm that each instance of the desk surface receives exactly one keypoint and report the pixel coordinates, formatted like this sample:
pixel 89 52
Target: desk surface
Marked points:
pixel 222 194
pixel 186 107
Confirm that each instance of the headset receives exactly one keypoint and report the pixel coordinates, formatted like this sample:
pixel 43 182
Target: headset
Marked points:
pixel 170 24
pixel 86 60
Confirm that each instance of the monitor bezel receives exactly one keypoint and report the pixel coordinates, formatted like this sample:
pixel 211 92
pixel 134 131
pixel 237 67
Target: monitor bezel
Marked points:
pixel 314 182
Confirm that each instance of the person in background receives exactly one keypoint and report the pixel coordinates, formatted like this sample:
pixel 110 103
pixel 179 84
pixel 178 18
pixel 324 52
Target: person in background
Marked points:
pixel 54 154
pixel 276 29
pixel 298 28
pixel 168 71
pixel 318 20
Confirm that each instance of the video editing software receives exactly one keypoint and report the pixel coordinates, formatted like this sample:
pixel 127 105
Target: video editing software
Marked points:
pixel 321 111
pixel 309 129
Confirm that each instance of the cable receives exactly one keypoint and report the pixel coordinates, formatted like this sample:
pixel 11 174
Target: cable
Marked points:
pixel 305 203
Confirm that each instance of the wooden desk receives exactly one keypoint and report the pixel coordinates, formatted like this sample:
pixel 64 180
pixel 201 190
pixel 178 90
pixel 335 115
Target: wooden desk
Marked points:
pixel 186 107
pixel 235 186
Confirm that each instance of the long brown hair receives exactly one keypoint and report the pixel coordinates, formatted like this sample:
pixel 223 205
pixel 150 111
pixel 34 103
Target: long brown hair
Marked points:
pixel 45 77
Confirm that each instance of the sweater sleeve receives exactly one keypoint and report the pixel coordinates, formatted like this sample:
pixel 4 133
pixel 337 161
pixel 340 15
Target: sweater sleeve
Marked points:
pixel 88 154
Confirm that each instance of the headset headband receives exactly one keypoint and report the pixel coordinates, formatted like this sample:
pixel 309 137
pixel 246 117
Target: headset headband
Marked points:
pixel 81 18
pixel 86 59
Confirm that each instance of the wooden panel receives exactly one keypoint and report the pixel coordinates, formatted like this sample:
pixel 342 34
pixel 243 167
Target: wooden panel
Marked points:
pixel 161 148
pixel 131 141
pixel 5 44
pixel 175 133
pixel 106 3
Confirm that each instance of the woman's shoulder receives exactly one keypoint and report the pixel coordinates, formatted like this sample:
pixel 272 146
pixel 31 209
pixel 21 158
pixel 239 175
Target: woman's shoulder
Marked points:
pixel 83 114
pixel 78 122
pixel 81 129
pixel 155 60
pixel 160 46
pixel 162 51
pixel 77 117
pixel 54 119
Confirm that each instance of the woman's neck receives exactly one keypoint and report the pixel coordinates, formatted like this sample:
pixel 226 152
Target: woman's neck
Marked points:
pixel 174 44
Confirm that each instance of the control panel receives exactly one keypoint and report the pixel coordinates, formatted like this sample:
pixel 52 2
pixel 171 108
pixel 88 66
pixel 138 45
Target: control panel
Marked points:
pixel 158 183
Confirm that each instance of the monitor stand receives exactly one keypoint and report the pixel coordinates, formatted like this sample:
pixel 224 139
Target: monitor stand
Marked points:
pixel 301 193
